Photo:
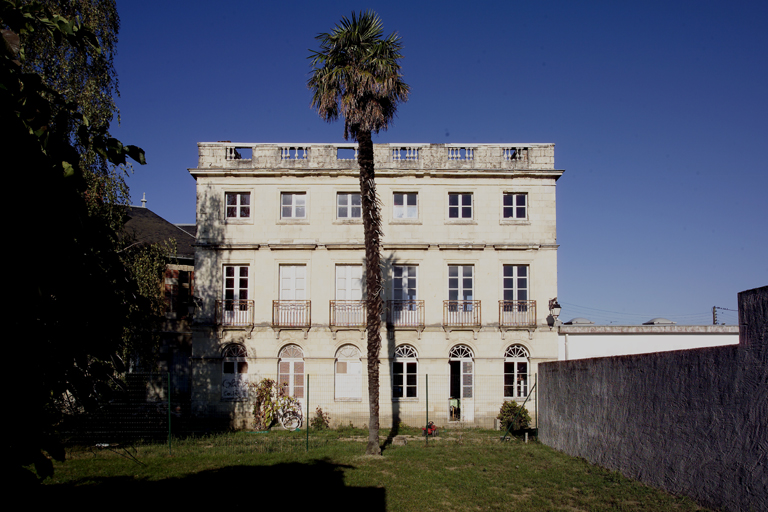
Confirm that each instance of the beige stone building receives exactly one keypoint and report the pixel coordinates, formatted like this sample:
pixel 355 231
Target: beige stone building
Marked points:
pixel 470 264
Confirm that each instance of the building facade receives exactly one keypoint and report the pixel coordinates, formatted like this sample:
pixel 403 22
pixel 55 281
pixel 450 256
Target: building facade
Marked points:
pixel 584 340
pixel 469 259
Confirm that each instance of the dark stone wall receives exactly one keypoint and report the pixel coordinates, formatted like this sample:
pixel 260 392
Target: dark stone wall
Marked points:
pixel 692 422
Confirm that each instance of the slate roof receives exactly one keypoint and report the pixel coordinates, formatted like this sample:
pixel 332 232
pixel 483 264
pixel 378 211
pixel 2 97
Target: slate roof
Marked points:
pixel 148 227
pixel 189 228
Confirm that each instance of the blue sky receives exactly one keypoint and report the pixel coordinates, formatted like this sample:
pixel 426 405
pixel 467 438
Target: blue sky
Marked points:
pixel 658 110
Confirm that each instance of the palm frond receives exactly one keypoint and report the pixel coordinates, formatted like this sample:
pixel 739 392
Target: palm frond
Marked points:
pixel 356 74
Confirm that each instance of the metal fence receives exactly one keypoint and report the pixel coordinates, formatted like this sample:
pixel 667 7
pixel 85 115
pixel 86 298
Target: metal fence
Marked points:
pixel 149 408
pixel 461 401
pixel 139 409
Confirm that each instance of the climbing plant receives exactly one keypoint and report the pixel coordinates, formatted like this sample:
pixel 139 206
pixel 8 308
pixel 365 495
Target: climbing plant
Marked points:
pixel 271 401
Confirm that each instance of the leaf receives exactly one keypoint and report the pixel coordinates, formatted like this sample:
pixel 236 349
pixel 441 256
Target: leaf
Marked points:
pixel 68 169
pixel 136 153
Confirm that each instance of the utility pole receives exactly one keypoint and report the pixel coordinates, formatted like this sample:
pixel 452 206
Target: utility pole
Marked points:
pixel 714 313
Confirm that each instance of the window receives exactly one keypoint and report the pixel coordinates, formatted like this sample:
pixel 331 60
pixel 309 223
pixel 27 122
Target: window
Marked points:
pixel 235 282
pixel 292 309
pixel 515 206
pixel 235 309
pixel 234 373
pixel 349 374
pixel 349 282
pixel 349 308
pixel 404 282
pixel 460 206
pixel 405 310
pixel 238 205
pixel 516 372
pixel 405 206
pixel 516 308
pixel 405 372
pixel 293 205
pixel 293 282
pixel 515 282
pixel 178 285
pixel 291 371
pixel 461 309
pixel 348 206
pixel 460 282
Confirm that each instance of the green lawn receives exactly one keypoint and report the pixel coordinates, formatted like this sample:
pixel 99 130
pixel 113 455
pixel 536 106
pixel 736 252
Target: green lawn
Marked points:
pixel 461 470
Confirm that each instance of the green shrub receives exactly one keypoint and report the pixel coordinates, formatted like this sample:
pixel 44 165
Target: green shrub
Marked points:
pixel 518 415
pixel 321 421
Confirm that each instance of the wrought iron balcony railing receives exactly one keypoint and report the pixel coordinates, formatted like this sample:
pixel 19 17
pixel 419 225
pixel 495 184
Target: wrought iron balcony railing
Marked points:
pixel 348 313
pixel 517 313
pixel 461 313
pixel 236 313
pixel 291 313
pixel 405 313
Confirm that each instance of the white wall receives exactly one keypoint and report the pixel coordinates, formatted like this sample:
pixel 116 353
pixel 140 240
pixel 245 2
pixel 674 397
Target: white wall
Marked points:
pixel 644 340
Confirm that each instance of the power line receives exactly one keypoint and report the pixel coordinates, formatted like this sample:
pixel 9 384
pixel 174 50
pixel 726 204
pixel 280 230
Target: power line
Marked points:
pixel 608 316
pixel 643 315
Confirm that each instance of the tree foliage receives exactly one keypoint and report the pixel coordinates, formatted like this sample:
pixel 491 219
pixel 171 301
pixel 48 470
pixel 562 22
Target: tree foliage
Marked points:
pixel 356 75
pixel 85 76
pixel 71 292
pixel 145 264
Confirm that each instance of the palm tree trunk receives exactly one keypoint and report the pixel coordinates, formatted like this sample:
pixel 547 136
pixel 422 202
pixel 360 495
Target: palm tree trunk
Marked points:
pixel 372 227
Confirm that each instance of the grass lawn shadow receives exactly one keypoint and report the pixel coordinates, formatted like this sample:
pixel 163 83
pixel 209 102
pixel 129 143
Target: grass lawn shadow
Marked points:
pixel 292 485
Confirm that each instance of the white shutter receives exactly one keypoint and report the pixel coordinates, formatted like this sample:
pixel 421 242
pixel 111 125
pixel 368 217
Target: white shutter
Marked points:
pixel 293 279
pixel 349 380
pixel 349 280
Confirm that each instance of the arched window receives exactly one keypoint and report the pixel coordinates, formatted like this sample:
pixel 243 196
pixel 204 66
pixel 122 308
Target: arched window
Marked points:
pixel 234 372
pixel 290 376
pixel 516 369
pixel 349 373
pixel 405 372
pixel 461 352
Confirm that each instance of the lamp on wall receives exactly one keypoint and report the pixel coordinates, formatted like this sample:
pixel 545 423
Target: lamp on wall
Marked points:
pixel 554 312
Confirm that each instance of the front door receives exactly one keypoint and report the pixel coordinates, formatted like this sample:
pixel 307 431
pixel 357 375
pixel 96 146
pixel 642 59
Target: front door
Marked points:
pixel 461 406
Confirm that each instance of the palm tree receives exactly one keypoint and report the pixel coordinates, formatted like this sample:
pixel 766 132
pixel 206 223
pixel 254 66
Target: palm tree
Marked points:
pixel 356 74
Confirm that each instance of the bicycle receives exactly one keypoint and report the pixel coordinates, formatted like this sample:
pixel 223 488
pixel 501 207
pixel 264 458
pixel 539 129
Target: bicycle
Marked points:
pixel 290 419
pixel 289 413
